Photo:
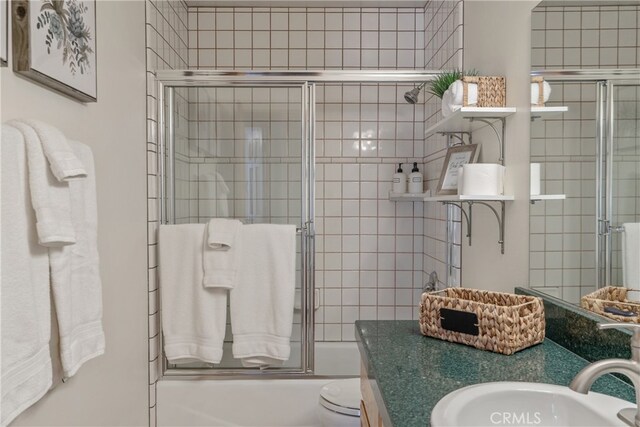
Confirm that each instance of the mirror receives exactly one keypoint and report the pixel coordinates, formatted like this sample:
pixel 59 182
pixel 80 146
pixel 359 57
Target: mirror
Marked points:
pixel 585 218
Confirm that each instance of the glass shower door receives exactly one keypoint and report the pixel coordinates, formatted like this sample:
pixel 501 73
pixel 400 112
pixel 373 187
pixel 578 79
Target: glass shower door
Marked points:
pixel 244 152
pixel 623 177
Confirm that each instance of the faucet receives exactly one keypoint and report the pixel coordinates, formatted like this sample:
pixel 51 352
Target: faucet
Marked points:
pixel 432 284
pixel 629 368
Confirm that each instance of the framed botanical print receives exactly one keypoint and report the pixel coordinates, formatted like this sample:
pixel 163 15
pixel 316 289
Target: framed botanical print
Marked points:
pixel 4 32
pixel 54 43
pixel 457 157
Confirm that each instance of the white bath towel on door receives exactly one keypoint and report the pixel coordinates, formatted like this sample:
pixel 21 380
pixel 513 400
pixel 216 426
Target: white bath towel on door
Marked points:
pixel 75 275
pixel 193 317
pixel 261 303
pixel 25 305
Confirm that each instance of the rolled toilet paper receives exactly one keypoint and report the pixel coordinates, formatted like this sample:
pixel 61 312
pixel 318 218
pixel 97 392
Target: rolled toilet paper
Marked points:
pixel 535 179
pixel 483 179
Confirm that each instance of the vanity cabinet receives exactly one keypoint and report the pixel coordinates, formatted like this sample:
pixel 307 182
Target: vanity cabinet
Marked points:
pixel 369 413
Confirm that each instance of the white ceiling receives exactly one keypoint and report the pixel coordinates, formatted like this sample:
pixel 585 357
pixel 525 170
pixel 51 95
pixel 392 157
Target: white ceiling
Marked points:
pixel 306 3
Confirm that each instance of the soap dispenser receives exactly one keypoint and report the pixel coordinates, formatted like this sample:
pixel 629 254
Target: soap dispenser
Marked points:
pixel 415 180
pixel 399 181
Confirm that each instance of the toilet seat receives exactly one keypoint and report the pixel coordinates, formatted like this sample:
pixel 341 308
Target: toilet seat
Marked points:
pixel 342 396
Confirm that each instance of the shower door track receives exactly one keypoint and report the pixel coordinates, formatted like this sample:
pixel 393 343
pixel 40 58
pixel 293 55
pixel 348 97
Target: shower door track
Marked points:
pixel 306 79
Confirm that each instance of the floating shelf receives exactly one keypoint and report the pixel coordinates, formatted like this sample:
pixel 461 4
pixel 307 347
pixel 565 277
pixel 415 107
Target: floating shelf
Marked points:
pixel 459 121
pixel 408 197
pixel 545 112
pixel 462 198
pixel 540 197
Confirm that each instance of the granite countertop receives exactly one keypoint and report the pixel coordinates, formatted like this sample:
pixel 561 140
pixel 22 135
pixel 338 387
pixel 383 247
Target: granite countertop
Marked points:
pixel 410 373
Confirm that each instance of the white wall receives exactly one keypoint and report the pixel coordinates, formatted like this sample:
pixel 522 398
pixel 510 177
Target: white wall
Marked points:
pixel 497 42
pixel 112 389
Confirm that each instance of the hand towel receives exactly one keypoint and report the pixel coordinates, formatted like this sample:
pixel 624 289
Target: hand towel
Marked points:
pixel 64 162
pixel 75 275
pixel 457 93
pixel 261 303
pixel 631 255
pixel 535 92
pixel 221 253
pixel 25 369
pixel 193 317
pixel 50 198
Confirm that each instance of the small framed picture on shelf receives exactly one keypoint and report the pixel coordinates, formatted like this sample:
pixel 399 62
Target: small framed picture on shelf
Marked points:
pixel 457 157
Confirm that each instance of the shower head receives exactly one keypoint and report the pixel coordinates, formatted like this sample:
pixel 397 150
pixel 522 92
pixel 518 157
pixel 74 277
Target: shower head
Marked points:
pixel 412 96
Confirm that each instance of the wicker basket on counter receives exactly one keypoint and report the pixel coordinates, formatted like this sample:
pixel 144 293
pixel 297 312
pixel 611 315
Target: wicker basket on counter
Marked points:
pixel 494 321
pixel 610 300
pixel 492 91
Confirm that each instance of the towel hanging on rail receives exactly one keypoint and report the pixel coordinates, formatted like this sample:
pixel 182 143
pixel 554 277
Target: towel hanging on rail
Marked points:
pixel 262 301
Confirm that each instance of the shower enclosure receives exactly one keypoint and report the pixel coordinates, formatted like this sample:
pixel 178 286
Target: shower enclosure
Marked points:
pixel 591 153
pixel 241 145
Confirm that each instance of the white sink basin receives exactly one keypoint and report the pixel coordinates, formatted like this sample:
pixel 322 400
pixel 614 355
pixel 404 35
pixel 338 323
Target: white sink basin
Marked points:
pixel 526 404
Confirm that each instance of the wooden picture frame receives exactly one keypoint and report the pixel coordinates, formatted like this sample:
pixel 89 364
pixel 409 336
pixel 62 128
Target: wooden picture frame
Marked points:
pixel 457 157
pixel 54 44
pixel 4 32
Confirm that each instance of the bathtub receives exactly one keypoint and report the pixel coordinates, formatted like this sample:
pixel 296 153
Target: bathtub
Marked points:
pixel 255 402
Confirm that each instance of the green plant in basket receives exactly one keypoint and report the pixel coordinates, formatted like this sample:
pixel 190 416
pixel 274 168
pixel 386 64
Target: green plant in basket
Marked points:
pixel 441 83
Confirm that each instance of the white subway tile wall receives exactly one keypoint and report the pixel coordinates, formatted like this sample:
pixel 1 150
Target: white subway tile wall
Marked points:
pixel 167 48
pixel 443 51
pixel 585 36
pixel 562 241
pixel 562 232
pixel 306 38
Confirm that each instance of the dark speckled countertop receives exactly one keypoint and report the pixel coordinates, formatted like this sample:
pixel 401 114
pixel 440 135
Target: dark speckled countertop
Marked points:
pixel 410 373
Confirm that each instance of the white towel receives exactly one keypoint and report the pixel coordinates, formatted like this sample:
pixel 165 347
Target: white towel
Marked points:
pixel 193 317
pixel 457 92
pixel 64 162
pixel 631 255
pixel 221 253
pixel 26 373
pixel 261 303
pixel 75 275
pixel 535 92
pixel 50 198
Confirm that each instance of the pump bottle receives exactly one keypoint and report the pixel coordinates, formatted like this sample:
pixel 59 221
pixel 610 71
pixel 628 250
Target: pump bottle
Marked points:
pixel 399 181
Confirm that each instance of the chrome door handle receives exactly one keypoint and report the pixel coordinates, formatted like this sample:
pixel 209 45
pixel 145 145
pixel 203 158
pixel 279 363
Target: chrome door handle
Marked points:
pixel 606 227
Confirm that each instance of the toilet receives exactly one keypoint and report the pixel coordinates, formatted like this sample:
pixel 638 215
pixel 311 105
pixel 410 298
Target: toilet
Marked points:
pixel 340 403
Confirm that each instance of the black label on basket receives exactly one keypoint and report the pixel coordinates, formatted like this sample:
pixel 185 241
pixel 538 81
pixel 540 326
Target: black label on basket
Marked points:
pixel 459 321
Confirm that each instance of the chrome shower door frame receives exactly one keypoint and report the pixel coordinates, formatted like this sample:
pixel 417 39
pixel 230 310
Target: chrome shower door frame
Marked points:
pixel 605 81
pixel 166 207
pixel 607 212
